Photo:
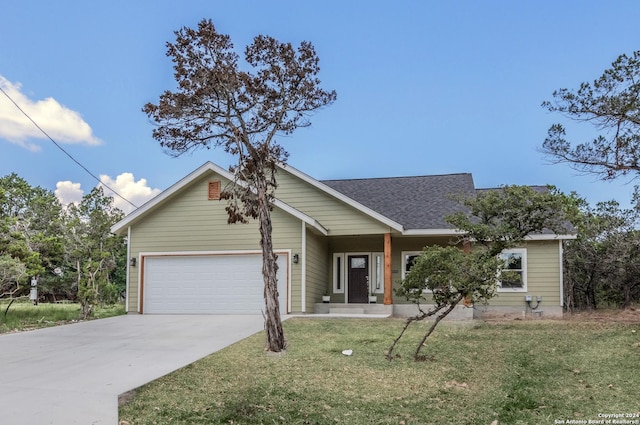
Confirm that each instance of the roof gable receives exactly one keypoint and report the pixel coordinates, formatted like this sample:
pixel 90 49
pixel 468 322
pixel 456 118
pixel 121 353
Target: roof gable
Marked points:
pixel 172 191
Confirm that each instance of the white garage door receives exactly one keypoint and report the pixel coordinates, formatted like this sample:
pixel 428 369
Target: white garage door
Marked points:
pixel 208 284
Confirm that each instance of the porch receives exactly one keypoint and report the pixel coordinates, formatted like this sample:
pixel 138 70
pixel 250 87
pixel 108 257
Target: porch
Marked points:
pixel 356 308
pixel 381 310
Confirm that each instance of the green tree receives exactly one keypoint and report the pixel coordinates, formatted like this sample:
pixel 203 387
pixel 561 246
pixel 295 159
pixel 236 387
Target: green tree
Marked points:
pixel 93 251
pixel 494 220
pixel 602 265
pixel 30 226
pixel 612 105
pixel 219 105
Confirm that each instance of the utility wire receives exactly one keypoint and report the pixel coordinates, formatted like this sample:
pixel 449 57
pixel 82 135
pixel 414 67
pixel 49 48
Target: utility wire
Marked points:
pixel 64 151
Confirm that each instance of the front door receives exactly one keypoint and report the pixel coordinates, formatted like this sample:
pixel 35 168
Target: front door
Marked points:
pixel 358 278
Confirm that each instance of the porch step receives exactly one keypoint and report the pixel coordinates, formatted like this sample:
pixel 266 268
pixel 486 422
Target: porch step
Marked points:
pixel 345 310
pixel 353 309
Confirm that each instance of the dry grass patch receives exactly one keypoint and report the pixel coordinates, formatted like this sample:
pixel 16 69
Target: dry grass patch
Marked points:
pixel 521 372
pixel 25 316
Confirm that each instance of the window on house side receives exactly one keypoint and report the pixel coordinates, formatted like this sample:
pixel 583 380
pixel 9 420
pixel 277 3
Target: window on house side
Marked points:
pixel 515 262
pixel 338 273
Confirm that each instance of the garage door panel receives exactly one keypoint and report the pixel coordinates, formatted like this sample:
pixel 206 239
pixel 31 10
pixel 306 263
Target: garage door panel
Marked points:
pixel 208 284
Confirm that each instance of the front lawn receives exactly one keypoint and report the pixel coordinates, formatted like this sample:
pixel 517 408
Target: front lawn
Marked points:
pixel 517 372
pixel 23 315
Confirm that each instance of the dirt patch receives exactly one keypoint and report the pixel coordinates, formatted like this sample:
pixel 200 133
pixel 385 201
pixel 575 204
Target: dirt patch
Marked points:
pixel 628 315
pixel 124 398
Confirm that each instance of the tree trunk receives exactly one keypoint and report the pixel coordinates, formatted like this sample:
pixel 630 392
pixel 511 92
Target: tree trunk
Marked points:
pixel 273 323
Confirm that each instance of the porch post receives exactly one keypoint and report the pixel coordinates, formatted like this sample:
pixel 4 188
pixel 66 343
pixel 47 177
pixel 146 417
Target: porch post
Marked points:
pixel 388 284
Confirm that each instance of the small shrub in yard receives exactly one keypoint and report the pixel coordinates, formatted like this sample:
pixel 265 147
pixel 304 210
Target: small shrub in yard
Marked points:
pixel 517 372
pixel 26 316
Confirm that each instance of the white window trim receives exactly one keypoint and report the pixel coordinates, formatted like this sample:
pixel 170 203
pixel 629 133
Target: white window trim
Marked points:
pixel 374 274
pixel 343 274
pixel 404 269
pixel 523 253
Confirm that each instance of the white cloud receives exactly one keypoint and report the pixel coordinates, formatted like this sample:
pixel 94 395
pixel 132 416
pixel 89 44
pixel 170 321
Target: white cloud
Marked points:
pixel 135 191
pixel 68 192
pixel 61 123
pixel 125 184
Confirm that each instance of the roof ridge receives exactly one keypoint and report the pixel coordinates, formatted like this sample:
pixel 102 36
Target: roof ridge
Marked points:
pixel 397 177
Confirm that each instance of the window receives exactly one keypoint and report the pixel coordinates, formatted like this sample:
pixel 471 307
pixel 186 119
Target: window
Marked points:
pixel 408 259
pixel 377 273
pixel 338 273
pixel 358 263
pixel 515 262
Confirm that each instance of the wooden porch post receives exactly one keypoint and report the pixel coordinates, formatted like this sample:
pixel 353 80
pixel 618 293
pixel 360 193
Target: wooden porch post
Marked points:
pixel 388 284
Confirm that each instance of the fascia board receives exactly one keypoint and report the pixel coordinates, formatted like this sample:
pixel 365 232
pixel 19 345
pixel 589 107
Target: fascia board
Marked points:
pixel 455 232
pixel 432 232
pixel 550 237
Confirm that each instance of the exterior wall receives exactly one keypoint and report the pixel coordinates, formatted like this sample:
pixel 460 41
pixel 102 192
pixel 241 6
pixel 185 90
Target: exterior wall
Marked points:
pixel 335 215
pixel 318 264
pixel 191 222
pixel 543 277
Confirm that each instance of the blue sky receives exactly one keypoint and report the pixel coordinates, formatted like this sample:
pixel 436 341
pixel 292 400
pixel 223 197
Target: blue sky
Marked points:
pixel 423 87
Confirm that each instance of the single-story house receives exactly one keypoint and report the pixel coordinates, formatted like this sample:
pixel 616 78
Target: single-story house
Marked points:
pixel 351 240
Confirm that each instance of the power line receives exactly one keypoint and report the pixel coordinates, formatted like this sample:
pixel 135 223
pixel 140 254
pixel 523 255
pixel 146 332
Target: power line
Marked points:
pixel 65 152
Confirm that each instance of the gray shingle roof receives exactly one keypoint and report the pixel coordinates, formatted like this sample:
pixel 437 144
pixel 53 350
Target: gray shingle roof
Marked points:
pixel 419 202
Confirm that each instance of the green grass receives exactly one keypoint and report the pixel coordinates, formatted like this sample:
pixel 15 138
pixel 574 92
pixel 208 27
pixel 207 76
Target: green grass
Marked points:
pixel 24 316
pixel 529 372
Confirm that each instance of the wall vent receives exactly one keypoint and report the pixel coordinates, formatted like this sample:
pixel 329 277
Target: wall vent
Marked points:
pixel 214 191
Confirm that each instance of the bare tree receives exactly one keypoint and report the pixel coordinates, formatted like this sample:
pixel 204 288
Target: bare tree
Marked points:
pixel 218 105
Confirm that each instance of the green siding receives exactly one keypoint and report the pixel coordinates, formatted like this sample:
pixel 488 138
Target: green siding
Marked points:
pixel 543 271
pixel 318 264
pixel 336 216
pixel 191 222
pixel 543 276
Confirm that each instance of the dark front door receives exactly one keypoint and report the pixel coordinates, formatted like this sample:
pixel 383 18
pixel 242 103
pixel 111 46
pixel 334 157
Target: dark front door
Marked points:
pixel 358 278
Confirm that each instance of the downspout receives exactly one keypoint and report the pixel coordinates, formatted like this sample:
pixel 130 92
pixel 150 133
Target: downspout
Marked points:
pixel 561 256
pixel 303 268
pixel 126 292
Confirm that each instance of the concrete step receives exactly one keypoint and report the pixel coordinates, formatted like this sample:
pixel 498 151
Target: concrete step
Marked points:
pixel 345 310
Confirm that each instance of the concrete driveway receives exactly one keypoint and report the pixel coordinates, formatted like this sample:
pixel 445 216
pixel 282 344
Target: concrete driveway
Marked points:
pixel 73 374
